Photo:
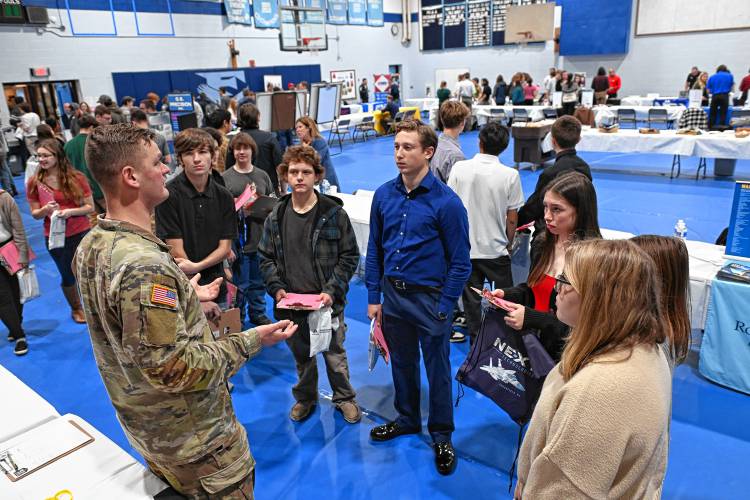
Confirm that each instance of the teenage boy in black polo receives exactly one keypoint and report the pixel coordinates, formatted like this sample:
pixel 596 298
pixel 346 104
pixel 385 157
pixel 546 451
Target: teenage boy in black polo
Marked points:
pixel 198 219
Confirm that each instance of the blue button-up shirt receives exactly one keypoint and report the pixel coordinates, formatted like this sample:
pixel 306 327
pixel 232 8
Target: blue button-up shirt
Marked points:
pixel 720 83
pixel 420 237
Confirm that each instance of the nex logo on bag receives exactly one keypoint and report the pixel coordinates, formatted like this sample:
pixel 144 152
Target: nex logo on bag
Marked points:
pixel 513 354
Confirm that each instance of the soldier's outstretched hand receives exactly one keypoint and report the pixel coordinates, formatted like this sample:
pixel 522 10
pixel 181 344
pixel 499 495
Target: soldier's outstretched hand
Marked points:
pixel 206 292
pixel 276 332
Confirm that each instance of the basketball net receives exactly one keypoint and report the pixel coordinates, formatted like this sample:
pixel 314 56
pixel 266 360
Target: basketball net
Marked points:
pixel 312 49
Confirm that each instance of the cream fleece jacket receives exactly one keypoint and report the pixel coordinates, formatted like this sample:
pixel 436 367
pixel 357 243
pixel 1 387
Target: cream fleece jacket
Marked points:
pixel 603 434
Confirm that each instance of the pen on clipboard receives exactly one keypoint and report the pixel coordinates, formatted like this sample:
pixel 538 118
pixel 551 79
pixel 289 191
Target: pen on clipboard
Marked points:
pixel 525 226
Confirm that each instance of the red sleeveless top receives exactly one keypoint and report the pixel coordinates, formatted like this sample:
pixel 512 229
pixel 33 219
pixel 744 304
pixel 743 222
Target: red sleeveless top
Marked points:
pixel 542 293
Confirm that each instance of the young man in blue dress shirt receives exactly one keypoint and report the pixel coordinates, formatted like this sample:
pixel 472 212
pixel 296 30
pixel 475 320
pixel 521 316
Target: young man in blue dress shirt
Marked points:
pixel 417 265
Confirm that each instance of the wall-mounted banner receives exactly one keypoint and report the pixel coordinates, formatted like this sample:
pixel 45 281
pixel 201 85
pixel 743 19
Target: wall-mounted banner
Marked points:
pixel 337 12
pixel 238 11
pixel 375 12
pixel 266 13
pixel 314 17
pixel 358 12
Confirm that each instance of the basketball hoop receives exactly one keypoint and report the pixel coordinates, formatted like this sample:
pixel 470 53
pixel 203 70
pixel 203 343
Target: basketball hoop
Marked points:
pixel 312 49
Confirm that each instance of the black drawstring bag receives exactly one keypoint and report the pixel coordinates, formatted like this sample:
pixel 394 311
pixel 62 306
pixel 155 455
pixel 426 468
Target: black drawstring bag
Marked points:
pixel 507 366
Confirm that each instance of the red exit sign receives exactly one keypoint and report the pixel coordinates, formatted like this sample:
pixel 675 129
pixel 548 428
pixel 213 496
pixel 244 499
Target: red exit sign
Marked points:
pixel 40 72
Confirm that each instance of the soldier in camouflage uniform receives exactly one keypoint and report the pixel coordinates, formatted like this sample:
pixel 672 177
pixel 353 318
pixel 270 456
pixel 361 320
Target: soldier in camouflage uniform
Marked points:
pixel 163 370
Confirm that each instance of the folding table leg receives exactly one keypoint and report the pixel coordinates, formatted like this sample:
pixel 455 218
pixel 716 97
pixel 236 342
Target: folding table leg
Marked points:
pixel 675 162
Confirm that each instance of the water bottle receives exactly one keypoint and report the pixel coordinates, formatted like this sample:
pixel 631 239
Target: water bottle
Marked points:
pixel 680 229
pixel 325 186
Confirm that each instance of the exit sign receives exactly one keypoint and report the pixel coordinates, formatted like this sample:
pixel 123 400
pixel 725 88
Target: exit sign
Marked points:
pixel 40 72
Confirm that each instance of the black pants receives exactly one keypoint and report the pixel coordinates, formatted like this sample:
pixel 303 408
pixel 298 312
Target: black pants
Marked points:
pixel 63 257
pixel 11 309
pixel 718 113
pixel 495 271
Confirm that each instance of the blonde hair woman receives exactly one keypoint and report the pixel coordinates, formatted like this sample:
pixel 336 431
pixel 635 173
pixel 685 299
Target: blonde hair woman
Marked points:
pixel 601 426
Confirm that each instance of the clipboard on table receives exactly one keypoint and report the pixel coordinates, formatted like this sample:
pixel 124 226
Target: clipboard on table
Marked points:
pixel 41 447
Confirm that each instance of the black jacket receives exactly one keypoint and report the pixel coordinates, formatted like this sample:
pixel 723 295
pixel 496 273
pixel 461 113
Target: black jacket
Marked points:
pixel 269 154
pixel 566 160
pixel 552 332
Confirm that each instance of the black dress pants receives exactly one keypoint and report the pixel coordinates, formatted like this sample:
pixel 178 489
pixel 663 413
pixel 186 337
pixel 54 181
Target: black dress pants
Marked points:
pixel 717 115
pixel 11 309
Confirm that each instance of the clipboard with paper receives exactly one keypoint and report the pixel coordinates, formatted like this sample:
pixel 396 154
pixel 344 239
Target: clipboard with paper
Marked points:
pixel 42 446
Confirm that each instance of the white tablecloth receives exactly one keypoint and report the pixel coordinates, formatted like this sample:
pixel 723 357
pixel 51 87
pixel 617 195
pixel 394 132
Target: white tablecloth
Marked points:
pixel 708 145
pixel 23 409
pixel 636 100
pixel 424 103
pixel 98 470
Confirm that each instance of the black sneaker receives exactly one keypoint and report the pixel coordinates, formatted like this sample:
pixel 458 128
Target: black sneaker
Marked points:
pixel 459 321
pixel 11 338
pixel 457 337
pixel 22 347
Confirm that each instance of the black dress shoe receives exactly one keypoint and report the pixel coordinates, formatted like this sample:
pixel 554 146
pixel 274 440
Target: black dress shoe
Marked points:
pixel 445 458
pixel 389 431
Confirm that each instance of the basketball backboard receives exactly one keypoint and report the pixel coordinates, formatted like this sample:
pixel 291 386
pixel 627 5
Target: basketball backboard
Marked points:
pixel 303 29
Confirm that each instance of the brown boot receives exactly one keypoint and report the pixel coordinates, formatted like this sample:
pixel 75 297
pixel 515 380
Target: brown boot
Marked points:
pixel 71 295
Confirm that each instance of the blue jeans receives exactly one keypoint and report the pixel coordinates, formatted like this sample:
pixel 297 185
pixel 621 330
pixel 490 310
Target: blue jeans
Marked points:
pixel 410 319
pixel 63 257
pixel 247 277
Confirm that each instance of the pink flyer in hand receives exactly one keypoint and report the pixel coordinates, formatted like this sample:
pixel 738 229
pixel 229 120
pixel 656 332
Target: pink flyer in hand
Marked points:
pixel 247 196
pixel 301 302
pixel 379 338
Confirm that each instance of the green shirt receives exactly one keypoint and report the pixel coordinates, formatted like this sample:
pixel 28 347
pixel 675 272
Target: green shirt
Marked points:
pixel 443 95
pixel 74 150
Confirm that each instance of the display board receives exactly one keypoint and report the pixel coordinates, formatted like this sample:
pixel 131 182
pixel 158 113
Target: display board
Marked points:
pixel 325 102
pixel 348 79
pixel 738 236
pixel 449 24
pixel 657 17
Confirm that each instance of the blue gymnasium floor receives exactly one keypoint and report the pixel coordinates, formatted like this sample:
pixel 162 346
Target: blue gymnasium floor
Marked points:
pixel 325 457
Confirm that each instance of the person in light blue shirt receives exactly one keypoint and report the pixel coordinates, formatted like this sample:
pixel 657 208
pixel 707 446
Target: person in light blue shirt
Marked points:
pixel 417 265
pixel 719 86
pixel 307 132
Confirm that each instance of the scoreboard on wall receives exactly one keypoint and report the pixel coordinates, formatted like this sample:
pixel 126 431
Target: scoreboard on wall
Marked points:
pixel 452 24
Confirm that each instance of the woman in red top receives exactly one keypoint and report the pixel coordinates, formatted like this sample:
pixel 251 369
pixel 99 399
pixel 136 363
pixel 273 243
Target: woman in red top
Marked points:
pixel 58 187
pixel 570 214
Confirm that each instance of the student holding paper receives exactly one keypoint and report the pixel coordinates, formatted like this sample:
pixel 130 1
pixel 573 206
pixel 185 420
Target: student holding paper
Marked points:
pixel 308 246
pixel 246 267
pixel 58 187
pixel 11 309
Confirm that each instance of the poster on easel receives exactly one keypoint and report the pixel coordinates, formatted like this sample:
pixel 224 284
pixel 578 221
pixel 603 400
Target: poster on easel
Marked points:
pixel 557 100
pixel 695 98
pixel 738 236
pixel 348 80
pixel 587 98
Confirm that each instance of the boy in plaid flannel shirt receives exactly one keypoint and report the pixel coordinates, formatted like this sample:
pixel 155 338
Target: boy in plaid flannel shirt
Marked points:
pixel 308 246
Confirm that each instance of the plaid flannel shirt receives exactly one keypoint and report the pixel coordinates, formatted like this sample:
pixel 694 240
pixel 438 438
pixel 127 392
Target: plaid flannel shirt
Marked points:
pixel 693 118
pixel 335 250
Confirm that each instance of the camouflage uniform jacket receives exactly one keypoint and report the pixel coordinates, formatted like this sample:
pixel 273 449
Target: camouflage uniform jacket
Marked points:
pixel 163 370
pixel 334 246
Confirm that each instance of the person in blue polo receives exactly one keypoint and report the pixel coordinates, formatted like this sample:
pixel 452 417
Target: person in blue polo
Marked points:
pixel 417 265
pixel 719 86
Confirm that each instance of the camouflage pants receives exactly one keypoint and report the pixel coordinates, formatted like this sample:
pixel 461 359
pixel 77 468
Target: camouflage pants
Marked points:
pixel 226 473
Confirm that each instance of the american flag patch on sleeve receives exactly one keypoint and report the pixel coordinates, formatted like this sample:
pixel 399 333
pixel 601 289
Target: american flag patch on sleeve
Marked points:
pixel 164 296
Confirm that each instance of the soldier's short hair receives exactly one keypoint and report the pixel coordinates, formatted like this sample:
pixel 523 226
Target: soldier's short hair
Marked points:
pixel 109 149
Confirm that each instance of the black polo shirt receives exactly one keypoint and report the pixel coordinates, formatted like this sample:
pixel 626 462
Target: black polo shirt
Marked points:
pixel 200 220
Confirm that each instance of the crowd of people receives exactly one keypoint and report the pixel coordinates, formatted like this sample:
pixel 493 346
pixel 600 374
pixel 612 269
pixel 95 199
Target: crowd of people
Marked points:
pixel 156 261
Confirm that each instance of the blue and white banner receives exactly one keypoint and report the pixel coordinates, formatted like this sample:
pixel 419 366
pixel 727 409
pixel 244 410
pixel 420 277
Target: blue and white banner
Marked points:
pixel 315 18
pixel 738 239
pixel 238 11
pixel 375 12
pixel 337 12
pixel 358 12
pixel 266 13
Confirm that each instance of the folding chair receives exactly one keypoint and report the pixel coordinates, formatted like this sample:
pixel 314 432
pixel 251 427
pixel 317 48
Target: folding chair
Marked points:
pixel 626 115
pixel 658 115
pixel 499 116
pixel 364 127
pixel 550 113
pixel 520 115
pixel 340 130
